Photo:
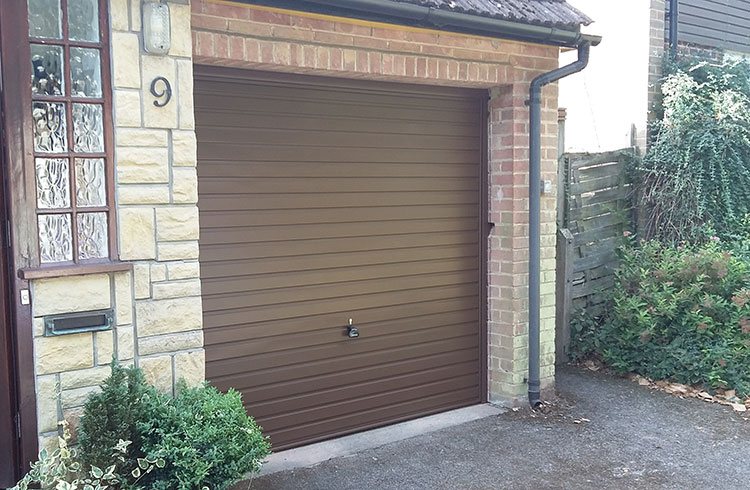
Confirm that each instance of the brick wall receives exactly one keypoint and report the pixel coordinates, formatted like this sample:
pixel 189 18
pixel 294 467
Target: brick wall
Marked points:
pixel 508 244
pixel 700 53
pixel 657 48
pixel 245 36
pixel 158 305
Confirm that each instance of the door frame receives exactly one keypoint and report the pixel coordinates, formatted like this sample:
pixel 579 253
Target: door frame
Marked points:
pixel 8 408
pixel 482 114
pixel 18 207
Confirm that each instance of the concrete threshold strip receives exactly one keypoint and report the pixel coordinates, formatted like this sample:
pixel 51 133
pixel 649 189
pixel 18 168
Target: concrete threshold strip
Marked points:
pixel 313 454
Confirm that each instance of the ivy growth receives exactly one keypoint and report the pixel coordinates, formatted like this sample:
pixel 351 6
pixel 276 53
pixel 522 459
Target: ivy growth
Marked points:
pixel 696 174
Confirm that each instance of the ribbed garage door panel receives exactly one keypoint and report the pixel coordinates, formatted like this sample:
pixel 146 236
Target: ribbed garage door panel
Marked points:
pixel 326 201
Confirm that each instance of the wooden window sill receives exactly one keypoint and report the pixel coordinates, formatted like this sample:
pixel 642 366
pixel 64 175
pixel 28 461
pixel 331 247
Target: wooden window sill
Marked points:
pixel 73 270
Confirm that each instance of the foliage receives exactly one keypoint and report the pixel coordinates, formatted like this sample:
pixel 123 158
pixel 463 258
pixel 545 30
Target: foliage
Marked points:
pixel 125 403
pixel 199 439
pixel 61 469
pixel 740 238
pixel 680 313
pixel 696 174
pixel 205 437
pixel 207 440
pixel 585 335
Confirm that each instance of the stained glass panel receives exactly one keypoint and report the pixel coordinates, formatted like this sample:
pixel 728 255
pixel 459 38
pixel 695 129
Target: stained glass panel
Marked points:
pixel 90 182
pixel 52 183
pixel 44 18
pixel 85 72
pixel 92 236
pixel 88 128
pixel 47 70
pixel 50 135
pixel 55 244
pixel 83 20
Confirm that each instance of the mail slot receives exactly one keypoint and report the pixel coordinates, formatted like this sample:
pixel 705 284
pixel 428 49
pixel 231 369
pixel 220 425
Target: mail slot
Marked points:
pixel 70 323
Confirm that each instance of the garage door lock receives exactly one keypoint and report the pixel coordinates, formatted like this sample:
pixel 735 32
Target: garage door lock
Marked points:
pixel 352 331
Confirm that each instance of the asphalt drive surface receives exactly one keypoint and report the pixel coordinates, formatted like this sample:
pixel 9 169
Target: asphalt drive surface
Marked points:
pixel 603 432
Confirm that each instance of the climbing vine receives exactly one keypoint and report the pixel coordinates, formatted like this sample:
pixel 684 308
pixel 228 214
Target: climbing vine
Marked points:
pixel 694 181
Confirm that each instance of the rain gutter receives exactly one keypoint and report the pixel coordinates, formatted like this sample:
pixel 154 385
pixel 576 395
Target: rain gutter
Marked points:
pixel 474 23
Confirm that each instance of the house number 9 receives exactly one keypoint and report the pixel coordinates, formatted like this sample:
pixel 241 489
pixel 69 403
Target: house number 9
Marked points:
pixel 163 94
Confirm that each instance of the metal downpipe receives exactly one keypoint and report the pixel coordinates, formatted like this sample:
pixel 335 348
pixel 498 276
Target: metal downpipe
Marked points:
pixel 674 13
pixel 535 198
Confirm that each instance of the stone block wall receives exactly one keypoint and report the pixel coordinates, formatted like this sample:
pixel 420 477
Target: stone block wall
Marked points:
pixel 252 37
pixel 157 305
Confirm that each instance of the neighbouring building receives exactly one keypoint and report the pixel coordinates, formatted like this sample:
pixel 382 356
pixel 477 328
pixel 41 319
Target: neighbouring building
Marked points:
pixel 610 104
pixel 323 204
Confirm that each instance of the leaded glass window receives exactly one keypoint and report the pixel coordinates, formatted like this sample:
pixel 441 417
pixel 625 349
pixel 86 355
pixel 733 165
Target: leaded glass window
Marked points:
pixel 68 107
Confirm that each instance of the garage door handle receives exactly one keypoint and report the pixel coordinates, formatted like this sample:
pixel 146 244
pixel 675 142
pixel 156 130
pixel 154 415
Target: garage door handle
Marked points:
pixel 351 331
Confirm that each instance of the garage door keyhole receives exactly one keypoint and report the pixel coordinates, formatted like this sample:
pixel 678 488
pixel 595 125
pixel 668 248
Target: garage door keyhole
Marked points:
pixel 352 331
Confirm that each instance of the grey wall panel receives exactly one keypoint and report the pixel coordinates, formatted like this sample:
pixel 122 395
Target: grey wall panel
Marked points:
pixel 723 24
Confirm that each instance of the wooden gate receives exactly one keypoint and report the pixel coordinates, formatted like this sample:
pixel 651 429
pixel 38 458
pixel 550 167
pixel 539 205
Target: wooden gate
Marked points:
pixel 594 211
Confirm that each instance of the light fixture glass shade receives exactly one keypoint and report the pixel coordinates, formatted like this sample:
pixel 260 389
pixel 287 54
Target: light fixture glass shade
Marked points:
pixel 156 35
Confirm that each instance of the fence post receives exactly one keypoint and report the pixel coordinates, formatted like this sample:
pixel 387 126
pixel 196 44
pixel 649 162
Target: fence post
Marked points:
pixel 562 116
pixel 562 190
pixel 563 300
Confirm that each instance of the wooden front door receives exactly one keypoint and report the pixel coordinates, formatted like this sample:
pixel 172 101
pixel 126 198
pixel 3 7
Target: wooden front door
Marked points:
pixel 8 433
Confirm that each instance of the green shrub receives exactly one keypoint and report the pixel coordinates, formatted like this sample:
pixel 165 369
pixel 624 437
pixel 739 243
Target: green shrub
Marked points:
pixel 585 334
pixel 204 437
pixel 680 313
pixel 115 414
pixel 207 439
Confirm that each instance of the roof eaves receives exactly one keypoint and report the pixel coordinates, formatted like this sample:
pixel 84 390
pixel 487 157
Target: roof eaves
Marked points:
pixel 550 13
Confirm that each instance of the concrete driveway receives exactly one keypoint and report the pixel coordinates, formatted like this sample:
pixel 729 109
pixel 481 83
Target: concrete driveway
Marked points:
pixel 604 433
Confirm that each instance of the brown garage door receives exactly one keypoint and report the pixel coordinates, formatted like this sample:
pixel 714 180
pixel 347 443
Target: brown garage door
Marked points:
pixel 324 200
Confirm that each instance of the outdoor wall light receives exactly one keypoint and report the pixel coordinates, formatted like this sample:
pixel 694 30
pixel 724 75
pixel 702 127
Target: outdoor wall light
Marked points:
pixel 156 36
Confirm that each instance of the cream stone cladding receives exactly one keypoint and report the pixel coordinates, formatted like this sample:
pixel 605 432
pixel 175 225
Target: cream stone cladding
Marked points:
pixel 248 36
pixel 157 305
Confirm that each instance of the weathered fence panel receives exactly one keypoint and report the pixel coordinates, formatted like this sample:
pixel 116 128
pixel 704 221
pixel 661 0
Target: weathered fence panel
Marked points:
pixel 595 208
